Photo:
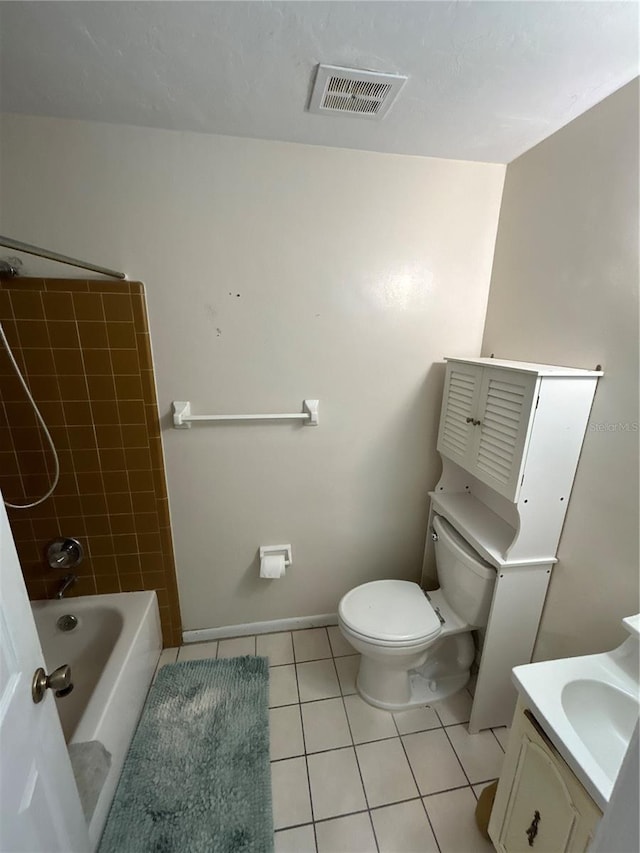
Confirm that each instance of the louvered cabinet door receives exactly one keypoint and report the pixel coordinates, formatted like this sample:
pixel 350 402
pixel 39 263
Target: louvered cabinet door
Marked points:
pixel 505 411
pixel 459 405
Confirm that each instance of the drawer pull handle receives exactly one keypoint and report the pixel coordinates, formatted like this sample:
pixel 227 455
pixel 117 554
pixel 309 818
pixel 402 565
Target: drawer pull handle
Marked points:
pixel 533 829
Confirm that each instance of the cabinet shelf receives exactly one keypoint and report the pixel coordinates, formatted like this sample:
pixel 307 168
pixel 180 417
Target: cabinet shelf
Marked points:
pixel 489 534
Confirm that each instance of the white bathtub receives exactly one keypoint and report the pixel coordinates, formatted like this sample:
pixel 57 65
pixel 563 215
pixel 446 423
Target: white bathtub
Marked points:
pixel 113 652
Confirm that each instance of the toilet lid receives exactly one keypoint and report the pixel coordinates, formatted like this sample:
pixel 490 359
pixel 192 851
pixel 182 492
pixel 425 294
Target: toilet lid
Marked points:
pixel 389 610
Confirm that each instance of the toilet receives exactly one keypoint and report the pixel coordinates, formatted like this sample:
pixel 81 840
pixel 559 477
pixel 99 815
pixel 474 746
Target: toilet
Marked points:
pixel 417 647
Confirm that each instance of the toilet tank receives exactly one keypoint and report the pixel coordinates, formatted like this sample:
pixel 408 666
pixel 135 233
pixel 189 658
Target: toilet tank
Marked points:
pixel 466 580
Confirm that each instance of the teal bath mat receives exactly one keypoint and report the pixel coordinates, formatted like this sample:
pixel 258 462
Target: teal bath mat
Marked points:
pixel 197 776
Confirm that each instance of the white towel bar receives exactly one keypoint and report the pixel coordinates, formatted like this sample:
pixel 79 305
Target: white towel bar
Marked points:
pixel 182 417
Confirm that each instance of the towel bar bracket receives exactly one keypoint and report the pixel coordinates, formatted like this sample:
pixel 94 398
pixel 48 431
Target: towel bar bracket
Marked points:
pixel 182 417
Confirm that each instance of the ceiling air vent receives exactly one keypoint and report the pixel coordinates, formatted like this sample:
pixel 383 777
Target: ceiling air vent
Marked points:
pixel 350 91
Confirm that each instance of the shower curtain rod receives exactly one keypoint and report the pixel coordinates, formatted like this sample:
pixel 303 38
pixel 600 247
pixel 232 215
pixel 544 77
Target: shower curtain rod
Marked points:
pixel 9 243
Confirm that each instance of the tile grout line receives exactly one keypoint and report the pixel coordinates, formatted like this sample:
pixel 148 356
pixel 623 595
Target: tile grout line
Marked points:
pixel 355 752
pixel 304 746
pixel 419 798
pixel 498 739
pixel 415 781
pixel 360 743
pixel 458 757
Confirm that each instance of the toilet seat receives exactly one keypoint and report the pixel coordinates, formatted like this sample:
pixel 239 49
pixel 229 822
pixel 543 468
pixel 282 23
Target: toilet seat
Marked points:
pixel 389 613
pixel 394 645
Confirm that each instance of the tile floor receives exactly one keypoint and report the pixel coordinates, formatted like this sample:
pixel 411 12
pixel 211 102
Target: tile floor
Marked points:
pixel 348 778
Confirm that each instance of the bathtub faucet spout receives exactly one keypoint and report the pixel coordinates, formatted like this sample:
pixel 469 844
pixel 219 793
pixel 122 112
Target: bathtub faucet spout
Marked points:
pixel 67 582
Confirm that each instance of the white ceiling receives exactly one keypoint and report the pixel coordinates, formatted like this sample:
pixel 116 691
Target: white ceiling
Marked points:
pixel 487 80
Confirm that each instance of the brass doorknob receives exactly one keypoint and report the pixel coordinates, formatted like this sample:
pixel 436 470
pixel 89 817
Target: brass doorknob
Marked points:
pixel 60 679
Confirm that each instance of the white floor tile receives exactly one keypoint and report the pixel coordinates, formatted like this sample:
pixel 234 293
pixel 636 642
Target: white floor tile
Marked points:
pixel 166 656
pixel 347 671
pixel 481 755
pixel 416 720
pixel 299 840
pixel 455 708
pixel 290 790
pixel 198 651
pixel 339 646
pixel 433 761
pixel 351 834
pixel 277 647
pixel 452 816
pixel 311 644
pixel 503 736
pixel 403 828
pixel 367 722
pixel 285 732
pixel 325 725
pixel 283 686
pixel 317 680
pixel 385 772
pixel 238 647
pixel 336 788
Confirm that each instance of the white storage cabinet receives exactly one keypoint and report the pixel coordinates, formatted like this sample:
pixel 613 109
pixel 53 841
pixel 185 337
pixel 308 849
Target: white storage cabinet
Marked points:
pixel 485 422
pixel 510 438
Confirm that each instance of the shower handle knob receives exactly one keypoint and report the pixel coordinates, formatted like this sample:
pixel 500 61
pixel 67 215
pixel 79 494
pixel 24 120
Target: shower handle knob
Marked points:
pixel 65 553
pixel 59 679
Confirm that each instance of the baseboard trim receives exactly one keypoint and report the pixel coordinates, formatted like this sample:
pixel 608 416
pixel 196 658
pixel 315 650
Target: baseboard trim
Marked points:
pixel 201 635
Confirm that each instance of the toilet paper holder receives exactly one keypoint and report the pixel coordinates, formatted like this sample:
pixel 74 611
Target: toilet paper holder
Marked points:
pixel 272 550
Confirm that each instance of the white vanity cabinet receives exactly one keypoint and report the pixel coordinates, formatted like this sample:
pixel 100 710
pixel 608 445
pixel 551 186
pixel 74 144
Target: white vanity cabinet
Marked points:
pixel 540 805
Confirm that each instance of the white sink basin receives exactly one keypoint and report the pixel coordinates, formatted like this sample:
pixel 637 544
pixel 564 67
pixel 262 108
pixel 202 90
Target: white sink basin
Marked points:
pixel 603 717
pixel 589 707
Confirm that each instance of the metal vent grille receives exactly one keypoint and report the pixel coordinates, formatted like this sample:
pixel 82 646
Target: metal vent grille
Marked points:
pixel 349 91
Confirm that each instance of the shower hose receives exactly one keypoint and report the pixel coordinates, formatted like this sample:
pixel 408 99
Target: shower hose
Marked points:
pixel 56 475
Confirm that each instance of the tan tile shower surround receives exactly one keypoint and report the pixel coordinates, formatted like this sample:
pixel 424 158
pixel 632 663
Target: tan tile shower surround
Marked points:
pixel 84 349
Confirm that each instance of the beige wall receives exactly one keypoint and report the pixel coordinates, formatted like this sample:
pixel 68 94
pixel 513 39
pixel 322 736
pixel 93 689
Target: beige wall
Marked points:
pixel 356 272
pixel 565 290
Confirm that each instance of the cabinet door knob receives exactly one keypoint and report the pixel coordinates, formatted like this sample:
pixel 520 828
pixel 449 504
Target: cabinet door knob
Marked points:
pixel 476 423
pixel 533 829
pixel 469 420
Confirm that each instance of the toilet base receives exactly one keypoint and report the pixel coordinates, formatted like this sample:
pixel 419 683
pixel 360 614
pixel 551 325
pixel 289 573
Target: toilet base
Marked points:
pixel 422 691
pixel 438 672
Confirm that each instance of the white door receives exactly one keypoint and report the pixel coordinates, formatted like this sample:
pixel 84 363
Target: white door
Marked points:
pixel 41 811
